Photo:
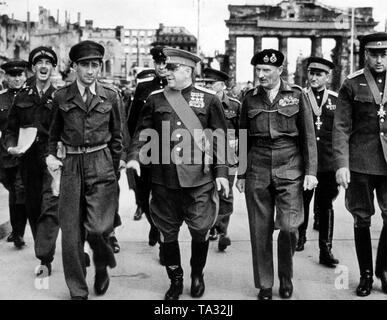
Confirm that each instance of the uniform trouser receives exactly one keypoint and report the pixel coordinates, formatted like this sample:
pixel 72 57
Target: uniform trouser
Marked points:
pixel 325 193
pixel 143 190
pixel 11 179
pixel 41 204
pixel 225 208
pixel 262 197
pixel 87 204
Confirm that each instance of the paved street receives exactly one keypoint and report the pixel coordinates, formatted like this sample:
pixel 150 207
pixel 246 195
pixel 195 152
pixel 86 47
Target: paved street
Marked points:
pixel 227 275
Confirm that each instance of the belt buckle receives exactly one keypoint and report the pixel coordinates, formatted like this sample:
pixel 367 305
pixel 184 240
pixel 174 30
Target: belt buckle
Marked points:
pixel 83 149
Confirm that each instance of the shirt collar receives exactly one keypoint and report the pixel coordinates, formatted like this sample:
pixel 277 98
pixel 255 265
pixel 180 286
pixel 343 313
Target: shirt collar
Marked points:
pixel 82 88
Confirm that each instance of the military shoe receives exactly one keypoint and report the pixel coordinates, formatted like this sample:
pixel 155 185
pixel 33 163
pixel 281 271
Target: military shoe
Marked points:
pixel 175 290
pixel 213 234
pixel 224 242
pixel 265 294
pixel 101 281
pixel 114 244
pixel 138 214
pixel 11 237
pixel 286 288
pixel 18 242
pixel 383 279
pixel 327 259
pixel 197 286
pixel 365 286
pixel 301 243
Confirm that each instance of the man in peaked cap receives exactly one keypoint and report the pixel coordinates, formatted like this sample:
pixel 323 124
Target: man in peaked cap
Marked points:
pixel 87 122
pixel 15 75
pixel 323 102
pixel 32 108
pixel 283 161
pixel 216 80
pixel 360 155
pixel 182 189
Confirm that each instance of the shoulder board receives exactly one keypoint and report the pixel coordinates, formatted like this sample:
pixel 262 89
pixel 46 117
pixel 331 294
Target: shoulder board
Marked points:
pixel 335 94
pixel 156 91
pixel 296 87
pixel 109 86
pixel 235 100
pixel 148 79
pixel 250 90
pixel 3 91
pixel 64 87
pixel 355 74
pixel 205 90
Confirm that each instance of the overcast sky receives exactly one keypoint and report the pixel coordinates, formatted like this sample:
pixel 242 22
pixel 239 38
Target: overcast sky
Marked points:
pixel 149 13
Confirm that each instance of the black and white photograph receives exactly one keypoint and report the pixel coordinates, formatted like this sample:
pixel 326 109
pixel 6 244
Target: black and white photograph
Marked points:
pixel 208 151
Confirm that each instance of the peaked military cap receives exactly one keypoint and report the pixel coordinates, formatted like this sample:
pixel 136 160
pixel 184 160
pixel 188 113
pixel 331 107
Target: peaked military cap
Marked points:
pixel 86 50
pixel 179 56
pixel 158 54
pixel 268 56
pixel 42 52
pixel 320 64
pixel 14 66
pixel 374 41
pixel 146 74
pixel 214 75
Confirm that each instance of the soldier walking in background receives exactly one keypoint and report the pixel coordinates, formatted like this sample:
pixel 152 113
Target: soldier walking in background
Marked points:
pixel 216 80
pixel 323 102
pixel 281 162
pixel 32 108
pixel 87 122
pixel 360 154
pixel 15 74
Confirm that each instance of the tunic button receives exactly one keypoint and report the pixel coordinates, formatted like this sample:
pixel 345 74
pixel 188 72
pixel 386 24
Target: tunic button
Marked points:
pixel 178 135
pixel 382 120
pixel 382 133
pixel 178 123
pixel 318 138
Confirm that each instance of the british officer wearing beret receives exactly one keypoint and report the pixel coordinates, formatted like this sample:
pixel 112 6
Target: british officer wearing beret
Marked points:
pixel 32 107
pixel 15 75
pixel 87 122
pixel 281 163
pixel 145 86
pixel 360 154
pixel 323 102
pixel 216 80
pixel 183 189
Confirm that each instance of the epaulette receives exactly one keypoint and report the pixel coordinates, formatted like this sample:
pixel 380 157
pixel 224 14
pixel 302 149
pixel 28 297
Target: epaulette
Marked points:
pixel 296 86
pixel 235 100
pixel 333 93
pixel 147 79
pixel 3 91
pixel 205 90
pixel 355 74
pixel 156 91
pixel 109 86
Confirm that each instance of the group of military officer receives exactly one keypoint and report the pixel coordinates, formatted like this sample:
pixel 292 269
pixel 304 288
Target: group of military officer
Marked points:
pixel 298 140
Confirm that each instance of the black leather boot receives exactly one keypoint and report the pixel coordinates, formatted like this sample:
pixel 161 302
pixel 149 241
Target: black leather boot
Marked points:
pixel 325 238
pixel 301 240
pixel 381 259
pixel 364 257
pixel 175 274
pixel 199 252
pixel 171 253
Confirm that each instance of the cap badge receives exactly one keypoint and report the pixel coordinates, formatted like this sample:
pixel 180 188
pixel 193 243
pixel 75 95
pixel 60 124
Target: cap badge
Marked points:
pixel 273 58
pixel 266 59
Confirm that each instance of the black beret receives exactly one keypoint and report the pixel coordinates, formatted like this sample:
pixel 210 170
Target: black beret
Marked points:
pixel 215 75
pixel 376 40
pixel 147 73
pixel 158 54
pixel 268 56
pixel 14 66
pixel 320 64
pixel 86 50
pixel 42 52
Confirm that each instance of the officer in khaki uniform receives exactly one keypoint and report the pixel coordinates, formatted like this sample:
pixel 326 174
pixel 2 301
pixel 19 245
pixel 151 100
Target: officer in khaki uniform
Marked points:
pixel 216 80
pixel 87 122
pixel 32 107
pixel 183 189
pixel 360 153
pixel 323 102
pixel 281 162
pixel 15 73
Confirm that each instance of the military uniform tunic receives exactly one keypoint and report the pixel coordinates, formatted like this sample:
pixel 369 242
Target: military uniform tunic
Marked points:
pixel 281 150
pixel 32 110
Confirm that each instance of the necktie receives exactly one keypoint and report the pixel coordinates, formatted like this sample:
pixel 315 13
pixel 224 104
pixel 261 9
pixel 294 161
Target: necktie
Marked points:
pixel 88 97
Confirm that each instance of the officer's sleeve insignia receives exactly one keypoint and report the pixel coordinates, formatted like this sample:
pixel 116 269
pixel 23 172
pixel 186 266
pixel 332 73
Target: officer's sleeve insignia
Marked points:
pixel 355 74
pixel 332 93
pixel 156 92
pixel 148 79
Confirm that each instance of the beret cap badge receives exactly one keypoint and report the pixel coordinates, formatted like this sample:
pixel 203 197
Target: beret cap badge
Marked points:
pixel 266 59
pixel 273 58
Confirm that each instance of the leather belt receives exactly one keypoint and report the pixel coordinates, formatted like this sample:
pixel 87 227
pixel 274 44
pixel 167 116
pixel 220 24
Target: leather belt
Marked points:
pixel 81 150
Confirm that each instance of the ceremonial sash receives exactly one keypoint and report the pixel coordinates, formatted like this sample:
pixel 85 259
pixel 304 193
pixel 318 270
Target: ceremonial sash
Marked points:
pixel 376 93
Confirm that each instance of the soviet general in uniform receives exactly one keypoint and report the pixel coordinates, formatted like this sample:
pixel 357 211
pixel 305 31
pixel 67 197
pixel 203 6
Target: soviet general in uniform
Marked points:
pixel 281 161
pixel 10 177
pixel 182 191
pixel 87 122
pixel 360 152
pixel 323 102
